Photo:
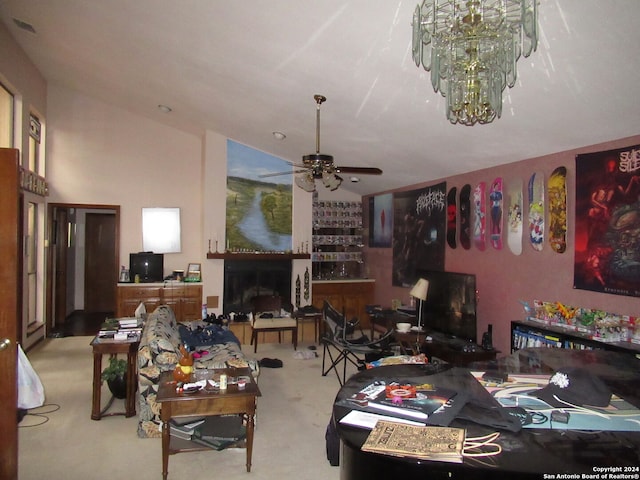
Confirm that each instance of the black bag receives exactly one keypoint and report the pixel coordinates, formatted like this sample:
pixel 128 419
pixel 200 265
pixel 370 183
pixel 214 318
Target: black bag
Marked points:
pixel 333 444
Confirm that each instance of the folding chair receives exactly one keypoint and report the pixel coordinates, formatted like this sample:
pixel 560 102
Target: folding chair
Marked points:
pixel 344 341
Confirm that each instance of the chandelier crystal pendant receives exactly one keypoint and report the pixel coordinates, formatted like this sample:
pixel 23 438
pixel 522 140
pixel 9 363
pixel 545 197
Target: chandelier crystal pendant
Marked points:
pixel 471 48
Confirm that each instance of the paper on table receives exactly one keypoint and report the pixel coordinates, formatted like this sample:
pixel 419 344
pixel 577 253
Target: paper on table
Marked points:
pixel 368 420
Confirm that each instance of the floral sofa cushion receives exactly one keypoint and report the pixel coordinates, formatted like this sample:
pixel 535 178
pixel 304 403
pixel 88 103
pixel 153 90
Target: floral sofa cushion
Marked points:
pixel 159 352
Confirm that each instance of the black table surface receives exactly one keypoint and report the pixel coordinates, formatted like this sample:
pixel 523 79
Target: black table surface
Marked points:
pixel 528 453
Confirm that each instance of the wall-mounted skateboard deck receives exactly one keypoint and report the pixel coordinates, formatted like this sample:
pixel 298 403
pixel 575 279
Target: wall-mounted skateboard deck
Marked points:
pixel 464 210
pixel 452 217
pixel 536 211
pixel 557 200
pixel 514 222
pixel 496 205
pixel 479 215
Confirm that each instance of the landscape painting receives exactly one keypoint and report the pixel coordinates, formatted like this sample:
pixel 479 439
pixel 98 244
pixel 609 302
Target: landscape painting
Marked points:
pixel 259 210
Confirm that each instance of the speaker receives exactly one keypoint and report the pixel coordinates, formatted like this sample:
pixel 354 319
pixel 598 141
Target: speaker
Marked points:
pixel 487 338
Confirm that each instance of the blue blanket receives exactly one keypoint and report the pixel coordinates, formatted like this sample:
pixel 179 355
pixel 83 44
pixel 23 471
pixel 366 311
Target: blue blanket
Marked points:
pixel 209 335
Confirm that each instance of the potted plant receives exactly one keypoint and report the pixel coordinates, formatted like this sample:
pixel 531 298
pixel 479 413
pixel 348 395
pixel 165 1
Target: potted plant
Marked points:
pixel 116 377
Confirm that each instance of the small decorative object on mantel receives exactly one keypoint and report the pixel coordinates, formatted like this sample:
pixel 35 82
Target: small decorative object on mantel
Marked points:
pixel 306 284
pixel 298 292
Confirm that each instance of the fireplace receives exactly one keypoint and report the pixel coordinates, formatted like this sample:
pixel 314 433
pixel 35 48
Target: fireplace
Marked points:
pixel 243 280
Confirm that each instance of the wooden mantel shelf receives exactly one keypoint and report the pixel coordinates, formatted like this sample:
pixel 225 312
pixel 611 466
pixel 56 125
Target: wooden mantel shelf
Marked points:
pixel 258 256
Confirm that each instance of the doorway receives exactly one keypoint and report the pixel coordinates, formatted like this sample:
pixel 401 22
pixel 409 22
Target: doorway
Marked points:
pixel 82 266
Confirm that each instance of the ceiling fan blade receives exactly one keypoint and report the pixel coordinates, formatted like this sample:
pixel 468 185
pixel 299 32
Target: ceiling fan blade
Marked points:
pixel 290 172
pixel 360 170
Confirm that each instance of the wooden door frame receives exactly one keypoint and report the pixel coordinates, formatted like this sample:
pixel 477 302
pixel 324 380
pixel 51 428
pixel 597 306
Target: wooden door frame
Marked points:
pixel 50 273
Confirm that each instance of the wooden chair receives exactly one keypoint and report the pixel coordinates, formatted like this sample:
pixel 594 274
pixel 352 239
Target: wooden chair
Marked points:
pixel 267 318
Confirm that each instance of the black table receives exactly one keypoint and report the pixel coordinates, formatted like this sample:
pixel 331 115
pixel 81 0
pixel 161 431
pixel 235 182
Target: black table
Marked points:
pixel 526 454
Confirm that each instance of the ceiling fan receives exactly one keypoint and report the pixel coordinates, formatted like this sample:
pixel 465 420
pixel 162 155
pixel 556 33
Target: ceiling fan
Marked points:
pixel 320 166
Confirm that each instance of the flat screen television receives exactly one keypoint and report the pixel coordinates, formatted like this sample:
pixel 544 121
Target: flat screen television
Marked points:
pixel 450 307
pixel 148 266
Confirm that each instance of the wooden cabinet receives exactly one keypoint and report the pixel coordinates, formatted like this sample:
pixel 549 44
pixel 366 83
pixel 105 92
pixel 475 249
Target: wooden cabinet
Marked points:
pixel 350 296
pixel 184 299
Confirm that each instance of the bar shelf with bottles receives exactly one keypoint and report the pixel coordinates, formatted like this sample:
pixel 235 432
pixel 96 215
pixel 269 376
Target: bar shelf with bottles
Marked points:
pixel 337 239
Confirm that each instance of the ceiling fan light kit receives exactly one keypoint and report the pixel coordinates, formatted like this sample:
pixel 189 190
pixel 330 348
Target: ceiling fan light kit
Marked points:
pixel 471 48
pixel 320 166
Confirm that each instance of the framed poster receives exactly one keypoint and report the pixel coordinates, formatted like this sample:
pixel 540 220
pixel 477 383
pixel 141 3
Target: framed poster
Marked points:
pixel 419 232
pixel 607 239
pixel 381 220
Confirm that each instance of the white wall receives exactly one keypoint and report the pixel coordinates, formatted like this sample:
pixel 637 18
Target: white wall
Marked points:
pixel 103 155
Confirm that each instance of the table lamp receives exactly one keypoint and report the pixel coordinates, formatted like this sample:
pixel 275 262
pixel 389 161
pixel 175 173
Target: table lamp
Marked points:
pixel 419 291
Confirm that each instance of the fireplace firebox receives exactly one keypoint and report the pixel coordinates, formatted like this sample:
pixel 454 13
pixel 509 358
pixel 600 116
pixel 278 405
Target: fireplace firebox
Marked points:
pixel 243 280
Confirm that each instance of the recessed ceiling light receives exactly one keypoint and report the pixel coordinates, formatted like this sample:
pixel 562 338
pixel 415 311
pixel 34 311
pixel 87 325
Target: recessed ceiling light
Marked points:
pixel 164 108
pixel 279 135
pixel 354 179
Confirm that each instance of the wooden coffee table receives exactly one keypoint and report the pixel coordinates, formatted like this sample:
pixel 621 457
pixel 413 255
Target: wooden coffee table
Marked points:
pixel 205 403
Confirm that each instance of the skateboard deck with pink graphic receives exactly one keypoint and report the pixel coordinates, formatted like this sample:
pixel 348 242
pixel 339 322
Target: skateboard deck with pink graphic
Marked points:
pixel 557 200
pixel 536 211
pixel 514 222
pixel 496 205
pixel 452 217
pixel 479 215
pixel 464 210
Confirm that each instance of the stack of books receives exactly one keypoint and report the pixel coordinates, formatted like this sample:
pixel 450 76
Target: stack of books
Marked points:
pixel 410 402
pixel 183 427
pixel 130 325
pixel 121 329
pixel 217 432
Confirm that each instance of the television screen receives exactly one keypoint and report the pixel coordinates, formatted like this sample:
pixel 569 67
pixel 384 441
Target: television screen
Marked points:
pixel 148 266
pixel 450 307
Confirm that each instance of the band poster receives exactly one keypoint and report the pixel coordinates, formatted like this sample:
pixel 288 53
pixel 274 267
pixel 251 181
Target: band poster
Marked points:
pixel 419 232
pixel 607 252
pixel 381 220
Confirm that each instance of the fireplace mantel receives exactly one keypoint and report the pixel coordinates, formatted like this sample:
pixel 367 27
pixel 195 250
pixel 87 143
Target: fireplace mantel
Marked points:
pixel 253 256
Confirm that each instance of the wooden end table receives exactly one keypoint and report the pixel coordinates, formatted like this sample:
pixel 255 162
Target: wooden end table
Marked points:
pixel 205 403
pixel 112 348
pixel 316 318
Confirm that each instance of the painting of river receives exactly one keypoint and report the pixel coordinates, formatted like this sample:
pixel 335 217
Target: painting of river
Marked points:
pixel 259 211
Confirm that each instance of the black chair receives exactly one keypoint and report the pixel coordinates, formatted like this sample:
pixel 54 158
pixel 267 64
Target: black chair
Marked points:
pixel 344 341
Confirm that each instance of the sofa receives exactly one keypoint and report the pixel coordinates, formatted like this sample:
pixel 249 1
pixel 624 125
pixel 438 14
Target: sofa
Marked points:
pixel 213 345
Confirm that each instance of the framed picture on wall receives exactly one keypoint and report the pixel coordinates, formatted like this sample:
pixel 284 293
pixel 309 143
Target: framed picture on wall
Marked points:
pixel 193 273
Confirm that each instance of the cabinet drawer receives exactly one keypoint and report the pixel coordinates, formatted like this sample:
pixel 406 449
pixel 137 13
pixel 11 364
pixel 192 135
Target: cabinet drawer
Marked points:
pixel 173 292
pixel 139 292
pixel 193 291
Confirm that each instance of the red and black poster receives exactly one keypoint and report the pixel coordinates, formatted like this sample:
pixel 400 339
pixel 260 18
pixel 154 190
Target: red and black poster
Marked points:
pixel 419 232
pixel 607 255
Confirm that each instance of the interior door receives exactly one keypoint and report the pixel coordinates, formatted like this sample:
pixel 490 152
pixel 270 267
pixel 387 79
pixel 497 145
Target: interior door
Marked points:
pixel 100 263
pixel 8 312
pixel 60 264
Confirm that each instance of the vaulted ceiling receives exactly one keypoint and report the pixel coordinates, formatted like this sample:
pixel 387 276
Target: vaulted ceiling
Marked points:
pixel 247 69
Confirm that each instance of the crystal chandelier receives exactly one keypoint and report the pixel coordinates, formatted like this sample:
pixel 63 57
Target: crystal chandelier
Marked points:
pixel 471 48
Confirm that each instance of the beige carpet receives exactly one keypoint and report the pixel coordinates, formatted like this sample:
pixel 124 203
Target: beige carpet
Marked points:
pixel 289 439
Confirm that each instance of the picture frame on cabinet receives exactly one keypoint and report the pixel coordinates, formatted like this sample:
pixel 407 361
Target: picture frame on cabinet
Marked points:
pixel 193 273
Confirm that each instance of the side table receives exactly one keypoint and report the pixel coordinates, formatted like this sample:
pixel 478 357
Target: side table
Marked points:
pixel 316 318
pixel 204 403
pixel 112 347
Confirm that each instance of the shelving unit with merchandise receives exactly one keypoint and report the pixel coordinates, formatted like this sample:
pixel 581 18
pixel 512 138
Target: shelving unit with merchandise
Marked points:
pixel 337 239
pixel 527 334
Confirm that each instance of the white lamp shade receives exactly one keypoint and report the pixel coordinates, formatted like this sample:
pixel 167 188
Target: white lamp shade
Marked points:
pixel 420 289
